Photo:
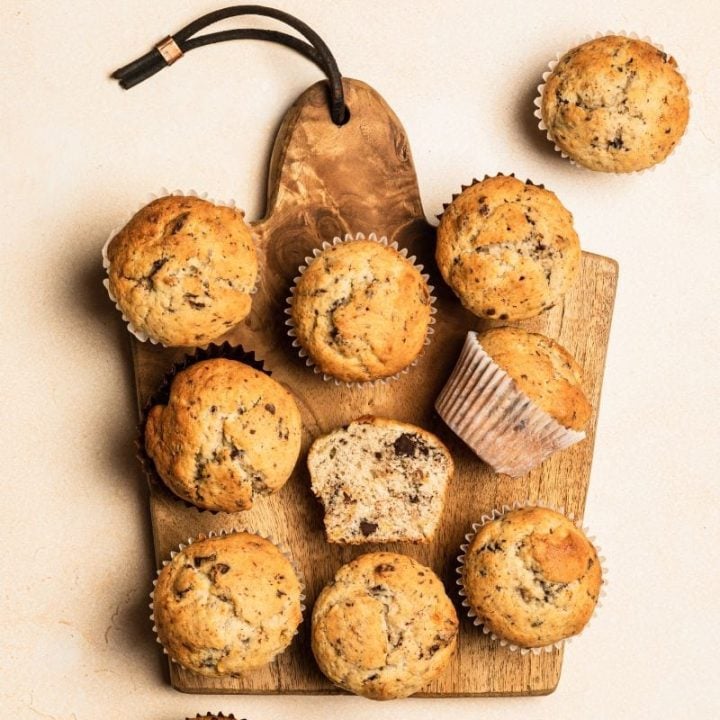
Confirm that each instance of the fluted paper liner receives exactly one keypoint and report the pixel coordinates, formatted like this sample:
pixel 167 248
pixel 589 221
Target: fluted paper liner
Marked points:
pixel 164 192
pixel 161 397
pixel 494 515
pixel 316 253
pixel 482 405
pixel 551 66
pixel 221 533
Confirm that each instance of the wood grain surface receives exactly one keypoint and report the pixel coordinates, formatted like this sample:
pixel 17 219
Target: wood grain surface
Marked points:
pixel 325 181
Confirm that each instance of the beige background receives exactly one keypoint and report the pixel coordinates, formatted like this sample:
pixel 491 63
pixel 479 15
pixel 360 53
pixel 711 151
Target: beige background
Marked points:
pixel 78 154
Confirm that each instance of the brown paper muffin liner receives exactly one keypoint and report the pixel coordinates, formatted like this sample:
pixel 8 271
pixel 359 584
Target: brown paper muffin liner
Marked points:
pixel 537 102
pixel 211 534
pixel 164 192
pixel 308 260
pixel 162 394
pixel 494 515
pixel 482 405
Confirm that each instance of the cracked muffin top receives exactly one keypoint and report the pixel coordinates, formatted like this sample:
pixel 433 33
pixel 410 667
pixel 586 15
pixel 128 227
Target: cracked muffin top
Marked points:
pixel 227 434
pixel 532 577
pixel 542 369
pixel 384 627
pixel 361 311
pixel 615 104
pixel 507 248
pixel 227 604
pixel 183 270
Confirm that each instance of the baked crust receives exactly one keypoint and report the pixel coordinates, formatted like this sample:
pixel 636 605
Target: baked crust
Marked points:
pixel 507 249
pixel 532 577
pixel 384 627
pixel 227 604
pixel 183 270
pixel 227 434
pixel 616 104
pixel 361 311
pixel 542 369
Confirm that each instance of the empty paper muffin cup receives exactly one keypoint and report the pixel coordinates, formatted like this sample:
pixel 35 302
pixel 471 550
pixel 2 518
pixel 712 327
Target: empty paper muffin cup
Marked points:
pixel 211 570
pixel 460 570
pixel 293 332
pixel 482 405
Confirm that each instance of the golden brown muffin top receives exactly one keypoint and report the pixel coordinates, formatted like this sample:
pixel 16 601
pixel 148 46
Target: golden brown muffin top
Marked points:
pixel 542 369
pixel 227 604
pixel 361 311
pixel 508 249
pixel 532 577
pixel 227 434
pixel 182 270
pixel 615 104
pixel 384 627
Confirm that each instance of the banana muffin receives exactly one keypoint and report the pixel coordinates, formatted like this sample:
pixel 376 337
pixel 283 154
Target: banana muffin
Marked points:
pixel 543 370
pixel 361 311
pixel 615 104
pixel 531 577
pixel 380 481
pixel 228 434
pixel 183 270
pixel 515 398
pixel 507 248
pixel 384 627
pixel 228 604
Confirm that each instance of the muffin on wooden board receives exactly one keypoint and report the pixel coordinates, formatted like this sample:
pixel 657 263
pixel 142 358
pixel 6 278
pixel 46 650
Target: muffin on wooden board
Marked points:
pixel 227 435
pixel 384 627
pixel 360 310
pixel 182 270
pixel 515 398
pixel 507 249
pixel 531 577
pixel 380 480
pixel 227 604
pixel 615 104
pixel 543 370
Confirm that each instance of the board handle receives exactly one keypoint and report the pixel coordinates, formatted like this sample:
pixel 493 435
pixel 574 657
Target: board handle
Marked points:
pixel 173 47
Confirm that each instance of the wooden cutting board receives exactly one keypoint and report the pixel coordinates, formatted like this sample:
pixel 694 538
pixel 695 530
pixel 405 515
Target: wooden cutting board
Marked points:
pixel 325 181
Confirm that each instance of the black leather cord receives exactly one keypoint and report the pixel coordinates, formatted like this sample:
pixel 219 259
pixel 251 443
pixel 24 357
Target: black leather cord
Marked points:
pixel 316 50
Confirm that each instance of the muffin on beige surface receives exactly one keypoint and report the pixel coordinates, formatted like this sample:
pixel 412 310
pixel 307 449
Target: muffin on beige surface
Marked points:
pixel 361 311
pixel 543 370
pixel 183 270
pixel 384 627
pixel 228 604
pixel 615 104
pixel 227 435
pixel 515 398
pixel 507 249
pixel 219 716
pixel 380 480
pixel 531 577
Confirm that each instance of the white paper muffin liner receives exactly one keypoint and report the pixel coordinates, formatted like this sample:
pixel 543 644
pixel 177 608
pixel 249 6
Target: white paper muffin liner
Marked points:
pixel 494 515
pixel 190 541
pixel 164 192
pixel 382 240
pixel 482 405
pixel 551 66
